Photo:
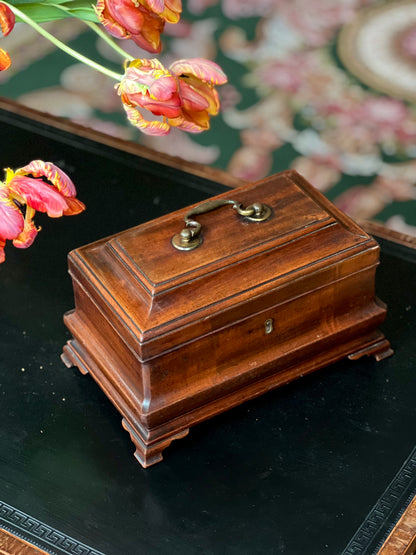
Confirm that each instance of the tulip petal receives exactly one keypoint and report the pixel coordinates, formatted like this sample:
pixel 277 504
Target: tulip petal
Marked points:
pixel 149 37
pixel 75 206
pixel 113 21
pixel 151 44
pixel 7 19
pixel 2 255
pixel 58 178
pixel 188 126
pixel 27 236
pixel 193 122
pixel 113 28
pixel 190 87
pixel 157 128
pixel 156 5
pixel 164 89
pixel 126 14
pixel 11 219
pixel 160 84
pixel 173 10
pixel 152 63
pixel 38 195
pixel 5 61
pixel 169 10
pixel 159 108
pixel 192 99
pixel 199 67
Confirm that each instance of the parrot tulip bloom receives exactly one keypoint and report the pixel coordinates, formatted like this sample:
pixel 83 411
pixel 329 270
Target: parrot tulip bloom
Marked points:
pixel 147 84
pixel 39 186
pixel 7 21
pixel 184 95
pixel 139 20
pixel 5 61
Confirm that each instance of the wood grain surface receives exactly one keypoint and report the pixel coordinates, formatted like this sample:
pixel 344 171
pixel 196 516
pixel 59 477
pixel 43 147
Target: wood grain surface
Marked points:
pixel 175 338
pixel 12 545
pixel 402 540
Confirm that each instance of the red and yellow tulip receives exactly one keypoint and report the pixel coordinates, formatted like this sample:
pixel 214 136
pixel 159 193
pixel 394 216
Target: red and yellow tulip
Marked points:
pixel 5 61
pixel 183 95
pixel 38 186
pixel 7 21
pixel 140 20
pixel 148 84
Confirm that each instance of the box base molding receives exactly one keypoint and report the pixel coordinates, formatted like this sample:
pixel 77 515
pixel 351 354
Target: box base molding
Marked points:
pixel 150 443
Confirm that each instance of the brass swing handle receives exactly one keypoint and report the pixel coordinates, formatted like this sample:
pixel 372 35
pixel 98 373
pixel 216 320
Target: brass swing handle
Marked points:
pixel 190 237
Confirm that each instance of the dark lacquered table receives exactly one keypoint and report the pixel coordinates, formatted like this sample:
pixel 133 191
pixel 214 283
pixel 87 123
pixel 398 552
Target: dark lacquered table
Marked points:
pixel 323 465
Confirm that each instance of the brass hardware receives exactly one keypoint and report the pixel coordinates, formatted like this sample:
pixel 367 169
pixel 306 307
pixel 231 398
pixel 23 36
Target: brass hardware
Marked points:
pixel 268 326
pixel 190 237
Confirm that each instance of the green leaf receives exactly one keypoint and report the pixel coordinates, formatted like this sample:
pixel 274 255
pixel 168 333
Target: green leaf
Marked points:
pixel 18 3
pixel 82 9
pixel 42 13
pixel 46 11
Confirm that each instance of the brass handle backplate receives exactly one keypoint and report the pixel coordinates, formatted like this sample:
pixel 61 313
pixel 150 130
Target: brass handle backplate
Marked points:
pixel 190 237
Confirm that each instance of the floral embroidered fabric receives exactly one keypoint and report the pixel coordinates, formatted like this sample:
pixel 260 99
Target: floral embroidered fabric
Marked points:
pixel 327 88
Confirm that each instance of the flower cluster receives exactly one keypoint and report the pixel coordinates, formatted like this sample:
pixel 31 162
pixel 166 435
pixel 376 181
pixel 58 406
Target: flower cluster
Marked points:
pixel 182 95
pixel 38 186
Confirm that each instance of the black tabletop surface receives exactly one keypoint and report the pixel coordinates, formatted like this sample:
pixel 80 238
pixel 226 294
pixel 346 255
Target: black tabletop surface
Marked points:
pixel 298 470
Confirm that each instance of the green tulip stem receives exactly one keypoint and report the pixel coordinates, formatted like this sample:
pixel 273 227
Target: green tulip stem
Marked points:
pixel 109 41
pixel 77 55
pixel 100 33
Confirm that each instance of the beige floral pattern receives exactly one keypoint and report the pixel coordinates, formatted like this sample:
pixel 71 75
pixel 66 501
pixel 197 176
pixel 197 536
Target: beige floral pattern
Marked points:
pixel 290 101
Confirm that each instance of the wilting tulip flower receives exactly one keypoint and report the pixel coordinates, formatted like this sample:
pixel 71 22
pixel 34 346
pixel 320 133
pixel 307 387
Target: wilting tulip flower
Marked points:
pixel 38 186
pixel 5 61
pixel 147 84
pixel 184 95
pixel 139 20
pixel 7 21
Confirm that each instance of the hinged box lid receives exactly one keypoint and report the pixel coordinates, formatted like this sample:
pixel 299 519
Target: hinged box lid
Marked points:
pixel 151 290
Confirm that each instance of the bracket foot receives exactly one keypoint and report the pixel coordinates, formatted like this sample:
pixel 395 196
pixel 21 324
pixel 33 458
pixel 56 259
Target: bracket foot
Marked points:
pixel 148 455
pixel 379 350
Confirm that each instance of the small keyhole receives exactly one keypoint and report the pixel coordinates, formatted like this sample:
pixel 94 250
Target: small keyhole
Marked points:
pixel 268 326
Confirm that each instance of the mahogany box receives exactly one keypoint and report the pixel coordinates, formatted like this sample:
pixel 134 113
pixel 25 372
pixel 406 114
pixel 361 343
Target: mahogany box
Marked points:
pixel 190 314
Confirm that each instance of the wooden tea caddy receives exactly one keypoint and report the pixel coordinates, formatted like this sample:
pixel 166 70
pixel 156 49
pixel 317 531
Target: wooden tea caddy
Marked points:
pixel 177 326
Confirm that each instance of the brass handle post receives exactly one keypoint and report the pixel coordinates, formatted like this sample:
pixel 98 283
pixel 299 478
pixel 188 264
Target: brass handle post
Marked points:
pixel 190 237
